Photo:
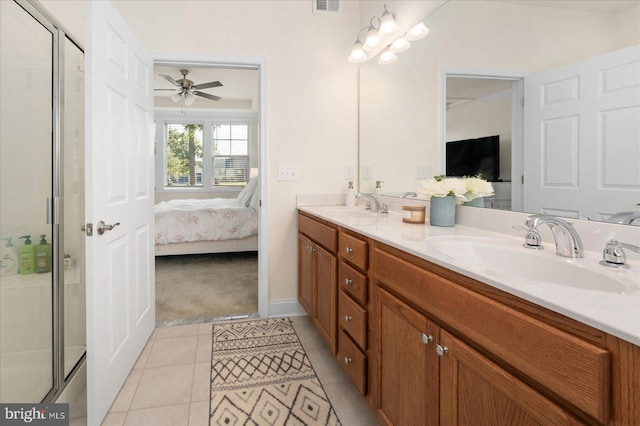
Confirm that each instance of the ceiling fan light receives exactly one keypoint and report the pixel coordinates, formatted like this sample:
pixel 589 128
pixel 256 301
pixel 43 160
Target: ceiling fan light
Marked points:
pixel 400 45
pixel 189 99
pixel 372 41
pixel 417 32
pixel 176 97
pixel 358 54
pixel 387 22
pixel 387 56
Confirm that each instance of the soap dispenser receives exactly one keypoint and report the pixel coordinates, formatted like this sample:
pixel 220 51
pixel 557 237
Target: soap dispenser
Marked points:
pixel 351 195
pixel 27 256
pixel 43 256
pixel 378 188
pixel 8 258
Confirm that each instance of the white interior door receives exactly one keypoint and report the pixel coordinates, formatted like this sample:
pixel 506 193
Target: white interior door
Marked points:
pixel 582 133
pixel 119 173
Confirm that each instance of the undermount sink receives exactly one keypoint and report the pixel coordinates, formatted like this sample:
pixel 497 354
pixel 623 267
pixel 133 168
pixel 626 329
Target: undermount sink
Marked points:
pixel 505 259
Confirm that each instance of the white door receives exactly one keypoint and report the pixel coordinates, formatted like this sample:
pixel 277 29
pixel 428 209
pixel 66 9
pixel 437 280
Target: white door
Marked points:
pixel 582 137
pixel 119 173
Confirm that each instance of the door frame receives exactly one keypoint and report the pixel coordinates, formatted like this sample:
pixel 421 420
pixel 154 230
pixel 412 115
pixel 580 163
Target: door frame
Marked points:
pixel 517 120
pixel 261 64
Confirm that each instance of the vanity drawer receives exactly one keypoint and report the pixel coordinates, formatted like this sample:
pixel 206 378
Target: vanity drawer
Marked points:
pixel 353 250
pixel 353 361
pixel 353 319
pixel 352 282
pixel 319 232
pixel 549 356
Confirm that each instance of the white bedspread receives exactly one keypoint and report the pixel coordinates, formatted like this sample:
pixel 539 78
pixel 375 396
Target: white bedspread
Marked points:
pixel 180 221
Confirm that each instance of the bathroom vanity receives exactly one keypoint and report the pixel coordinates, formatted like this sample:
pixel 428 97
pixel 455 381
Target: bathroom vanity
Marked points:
pixel 427 341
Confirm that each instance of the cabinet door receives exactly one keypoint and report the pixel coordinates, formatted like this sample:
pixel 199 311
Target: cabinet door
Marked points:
pixel 326 295
pixel 305 274
pixel 475 391
pixel 407 363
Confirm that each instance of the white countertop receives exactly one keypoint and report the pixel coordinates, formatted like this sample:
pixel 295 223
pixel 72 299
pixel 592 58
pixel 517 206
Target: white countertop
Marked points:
pixel 615 313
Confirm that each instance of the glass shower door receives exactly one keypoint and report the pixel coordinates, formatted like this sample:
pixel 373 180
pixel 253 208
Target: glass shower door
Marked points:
pixel 26 98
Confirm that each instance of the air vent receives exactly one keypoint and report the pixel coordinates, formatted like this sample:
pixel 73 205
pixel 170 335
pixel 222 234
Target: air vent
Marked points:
pixel 326 6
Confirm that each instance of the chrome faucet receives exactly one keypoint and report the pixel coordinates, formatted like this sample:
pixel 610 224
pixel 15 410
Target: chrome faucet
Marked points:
pixel 614 257
pixel 408 194
pixel 568 242
pixel 369 205
pixel 625 218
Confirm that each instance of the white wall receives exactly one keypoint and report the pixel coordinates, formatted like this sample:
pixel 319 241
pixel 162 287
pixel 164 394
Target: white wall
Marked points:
pixel 312 110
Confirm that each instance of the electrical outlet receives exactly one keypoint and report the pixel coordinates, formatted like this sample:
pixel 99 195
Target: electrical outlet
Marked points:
pixel 366 172
pixel 348 172
pixel 287 173
pixel 424 172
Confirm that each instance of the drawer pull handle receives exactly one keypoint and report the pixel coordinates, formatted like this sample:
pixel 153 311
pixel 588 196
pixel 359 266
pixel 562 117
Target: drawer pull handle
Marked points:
pixel 426 338
pixel 348 281
pixel 347 318
pixel 347 360
pixel 348 250
pixel 441 350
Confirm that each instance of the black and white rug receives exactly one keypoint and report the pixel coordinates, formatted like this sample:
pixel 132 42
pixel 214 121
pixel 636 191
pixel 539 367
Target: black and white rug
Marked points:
pixel 260 375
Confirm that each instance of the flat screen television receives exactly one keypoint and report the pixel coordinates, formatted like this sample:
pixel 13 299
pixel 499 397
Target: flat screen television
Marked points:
pixel 471 157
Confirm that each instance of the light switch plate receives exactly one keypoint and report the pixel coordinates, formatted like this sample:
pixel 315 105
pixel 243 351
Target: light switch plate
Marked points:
pixel 348 172
pixel 287 173
pixel 424 172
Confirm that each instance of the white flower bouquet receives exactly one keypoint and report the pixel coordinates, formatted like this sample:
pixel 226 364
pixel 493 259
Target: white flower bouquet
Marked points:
pixel 464 189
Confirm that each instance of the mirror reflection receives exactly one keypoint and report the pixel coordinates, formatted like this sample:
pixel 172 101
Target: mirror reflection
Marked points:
pixel 468 80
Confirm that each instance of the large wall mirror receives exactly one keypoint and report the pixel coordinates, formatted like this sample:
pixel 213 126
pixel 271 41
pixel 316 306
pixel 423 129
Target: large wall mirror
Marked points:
pixel 467 80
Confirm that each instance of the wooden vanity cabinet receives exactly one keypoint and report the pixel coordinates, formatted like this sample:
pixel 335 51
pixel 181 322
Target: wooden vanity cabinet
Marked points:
pixel 317 275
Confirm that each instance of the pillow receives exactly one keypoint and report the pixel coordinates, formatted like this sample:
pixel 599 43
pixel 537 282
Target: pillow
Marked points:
pixel 245 195
pixel 254 202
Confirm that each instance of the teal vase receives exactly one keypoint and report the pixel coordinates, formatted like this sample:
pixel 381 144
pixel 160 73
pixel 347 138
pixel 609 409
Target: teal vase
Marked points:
pixel 442 211
pixel 476 202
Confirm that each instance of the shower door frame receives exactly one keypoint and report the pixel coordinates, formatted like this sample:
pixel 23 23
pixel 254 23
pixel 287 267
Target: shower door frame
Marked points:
pixel 55 205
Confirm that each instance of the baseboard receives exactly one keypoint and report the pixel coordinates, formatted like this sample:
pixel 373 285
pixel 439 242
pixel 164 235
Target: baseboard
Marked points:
pixel 285 308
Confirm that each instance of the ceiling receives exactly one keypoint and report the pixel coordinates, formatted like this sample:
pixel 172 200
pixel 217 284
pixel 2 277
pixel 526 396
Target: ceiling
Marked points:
pixel 239 90
pixel 609 6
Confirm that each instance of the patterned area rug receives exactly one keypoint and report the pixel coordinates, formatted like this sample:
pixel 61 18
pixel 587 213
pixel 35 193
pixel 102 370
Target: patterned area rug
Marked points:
pixel 260 375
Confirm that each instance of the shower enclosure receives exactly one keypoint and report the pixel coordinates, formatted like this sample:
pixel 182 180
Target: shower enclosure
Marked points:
pixel 42 313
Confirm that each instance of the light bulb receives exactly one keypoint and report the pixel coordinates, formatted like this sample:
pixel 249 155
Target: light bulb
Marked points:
pixel 400 45
pixel 417 32
pixel 387 22
pixel 373 39
pixel 357 53
pixel 176 97
pixel 387 56
pixel 189 99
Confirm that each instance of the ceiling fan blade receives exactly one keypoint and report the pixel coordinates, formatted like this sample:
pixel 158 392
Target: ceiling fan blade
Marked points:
pixel 173 90
pixel 170 80
pixel 207 85
pixel 206 95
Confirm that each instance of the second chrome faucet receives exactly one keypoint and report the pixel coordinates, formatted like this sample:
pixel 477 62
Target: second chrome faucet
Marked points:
pixel 568 242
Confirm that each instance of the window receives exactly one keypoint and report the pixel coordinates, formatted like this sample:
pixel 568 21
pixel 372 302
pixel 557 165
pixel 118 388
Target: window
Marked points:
pixel 183 155
pixel 205 152
pixel 230 154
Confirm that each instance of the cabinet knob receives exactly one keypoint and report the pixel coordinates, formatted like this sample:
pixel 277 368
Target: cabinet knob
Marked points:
pixel 347 360
pixel 348 250
pixel 441 350
pixel 426 338
pixel 347 318
pixel 348 281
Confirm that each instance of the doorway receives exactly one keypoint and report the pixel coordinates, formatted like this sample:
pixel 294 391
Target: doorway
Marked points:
pixel 207 146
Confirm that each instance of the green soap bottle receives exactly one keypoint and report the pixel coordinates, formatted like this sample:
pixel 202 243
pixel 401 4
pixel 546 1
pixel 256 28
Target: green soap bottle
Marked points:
pixel 27 256
pixel 43 256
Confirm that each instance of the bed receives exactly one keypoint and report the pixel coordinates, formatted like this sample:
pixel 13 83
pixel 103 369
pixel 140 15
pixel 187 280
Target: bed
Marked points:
pixel 216 225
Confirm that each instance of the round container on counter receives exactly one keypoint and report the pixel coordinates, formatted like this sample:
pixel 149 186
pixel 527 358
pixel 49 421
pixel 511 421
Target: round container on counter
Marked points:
pixel 413 214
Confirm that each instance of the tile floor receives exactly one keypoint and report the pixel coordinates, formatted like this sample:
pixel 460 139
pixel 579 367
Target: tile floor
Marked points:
pixel 169 385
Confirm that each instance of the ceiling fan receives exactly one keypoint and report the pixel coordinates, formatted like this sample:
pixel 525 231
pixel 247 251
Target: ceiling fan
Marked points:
pixel 187 90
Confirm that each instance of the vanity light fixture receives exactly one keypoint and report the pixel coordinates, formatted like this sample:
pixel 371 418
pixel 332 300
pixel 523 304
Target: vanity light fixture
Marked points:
pixel 380 35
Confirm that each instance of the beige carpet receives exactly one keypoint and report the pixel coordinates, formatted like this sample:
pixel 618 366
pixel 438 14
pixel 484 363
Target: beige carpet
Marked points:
pixel 261 376
pixel 205 286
